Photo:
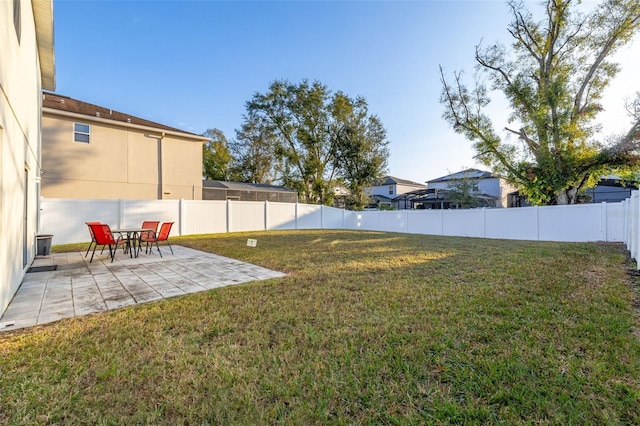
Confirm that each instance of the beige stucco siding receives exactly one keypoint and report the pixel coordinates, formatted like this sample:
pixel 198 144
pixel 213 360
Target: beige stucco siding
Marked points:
pixel 143 161
pixel 182 169
pixel 118 162
pixel 20 112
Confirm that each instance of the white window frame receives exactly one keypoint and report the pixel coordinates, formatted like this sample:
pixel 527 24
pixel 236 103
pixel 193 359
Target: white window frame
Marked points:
pixel 83 134
pixel 390 189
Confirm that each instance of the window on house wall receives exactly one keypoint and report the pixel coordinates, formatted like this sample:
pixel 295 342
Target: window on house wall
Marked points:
pixel 81 132
pixel 390 189
pixel 16 18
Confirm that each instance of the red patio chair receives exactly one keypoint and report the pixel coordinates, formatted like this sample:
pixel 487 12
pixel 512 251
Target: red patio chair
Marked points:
pixel 103 236
pixel 93 238
pixel 147 224
pixel 163 235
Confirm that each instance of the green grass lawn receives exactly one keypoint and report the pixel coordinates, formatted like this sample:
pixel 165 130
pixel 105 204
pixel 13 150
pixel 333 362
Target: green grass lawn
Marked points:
pixel 368 328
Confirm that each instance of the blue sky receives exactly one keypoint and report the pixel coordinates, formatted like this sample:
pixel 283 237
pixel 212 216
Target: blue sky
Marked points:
pixel 194 64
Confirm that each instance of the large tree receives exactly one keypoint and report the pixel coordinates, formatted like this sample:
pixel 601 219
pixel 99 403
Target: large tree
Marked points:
pixel 553 77
pixel 216 158
pixel 255 159
pixel 316 137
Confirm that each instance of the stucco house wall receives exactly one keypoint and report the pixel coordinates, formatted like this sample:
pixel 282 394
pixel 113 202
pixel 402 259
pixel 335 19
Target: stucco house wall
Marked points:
pixel 399 186
pixel 26 67
pixel 121 160
pixel 494 186
pixel 383 190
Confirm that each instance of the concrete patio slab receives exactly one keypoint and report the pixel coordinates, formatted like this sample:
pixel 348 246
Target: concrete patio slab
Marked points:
pixel 78 287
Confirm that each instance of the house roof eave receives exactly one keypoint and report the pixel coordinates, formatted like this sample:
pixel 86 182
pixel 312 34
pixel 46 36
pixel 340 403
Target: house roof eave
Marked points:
pixel 84 117
pixel 43 20
pixel 474 174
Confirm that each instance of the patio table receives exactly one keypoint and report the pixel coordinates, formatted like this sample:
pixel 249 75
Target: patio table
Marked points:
pixel 132 234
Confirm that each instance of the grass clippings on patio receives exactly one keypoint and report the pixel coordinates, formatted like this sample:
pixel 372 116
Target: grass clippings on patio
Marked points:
pixel 368 328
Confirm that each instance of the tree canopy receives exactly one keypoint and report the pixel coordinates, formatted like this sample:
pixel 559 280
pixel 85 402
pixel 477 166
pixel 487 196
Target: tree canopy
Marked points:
pixel 308 138
pixel 553 77
pixel 216 158
pixel 255 160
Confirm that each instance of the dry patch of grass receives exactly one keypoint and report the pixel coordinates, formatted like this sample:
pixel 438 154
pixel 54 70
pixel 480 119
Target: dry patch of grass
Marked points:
pixel 368 328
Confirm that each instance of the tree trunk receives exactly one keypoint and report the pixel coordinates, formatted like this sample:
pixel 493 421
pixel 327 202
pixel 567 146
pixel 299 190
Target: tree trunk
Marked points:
pixel 562 198
pixel 567 196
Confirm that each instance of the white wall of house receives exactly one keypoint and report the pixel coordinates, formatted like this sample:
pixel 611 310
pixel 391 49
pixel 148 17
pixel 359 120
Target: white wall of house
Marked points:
pixel 393 190
pixel 403 189
pixel 496 187
pixel 388 191
pixel 20 112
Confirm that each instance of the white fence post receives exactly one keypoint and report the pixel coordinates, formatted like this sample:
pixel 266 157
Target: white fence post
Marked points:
pixel 635 219
pixel 228 216
pixel 266 214
pixel 120 213
pixel 633 225
pixel 181 225
pixel 625 222
pixel 603 221
pixel 484 222
pixel 406 221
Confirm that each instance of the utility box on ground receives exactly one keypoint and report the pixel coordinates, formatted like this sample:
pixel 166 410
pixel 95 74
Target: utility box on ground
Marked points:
pixel 43 244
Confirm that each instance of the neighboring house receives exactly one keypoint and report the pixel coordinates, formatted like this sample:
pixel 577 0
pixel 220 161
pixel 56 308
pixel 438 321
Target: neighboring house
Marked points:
pixel 484 185
pixel 610 189
pixel 383 192
pixel 223 190
pixel 438 199
pixel 90 151
pixel 26 67
pixel 340 195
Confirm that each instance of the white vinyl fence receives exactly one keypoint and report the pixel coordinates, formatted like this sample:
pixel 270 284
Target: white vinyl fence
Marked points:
pixel 65 218
pixel 631 224
pixel 611 222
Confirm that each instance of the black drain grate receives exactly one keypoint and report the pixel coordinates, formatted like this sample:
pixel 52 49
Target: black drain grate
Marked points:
pixel 42 268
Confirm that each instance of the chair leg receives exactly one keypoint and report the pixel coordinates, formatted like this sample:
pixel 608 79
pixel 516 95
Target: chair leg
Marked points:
pixel 112 253
pixel 169 246
pixel 158 248
pixel 94 252
pixel 85 255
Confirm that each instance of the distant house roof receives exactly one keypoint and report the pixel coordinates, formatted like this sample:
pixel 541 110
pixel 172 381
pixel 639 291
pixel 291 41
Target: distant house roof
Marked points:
pixel 242 186
pixel 465 174
pixel 57 102
pixel 382 198
pixel 391 180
